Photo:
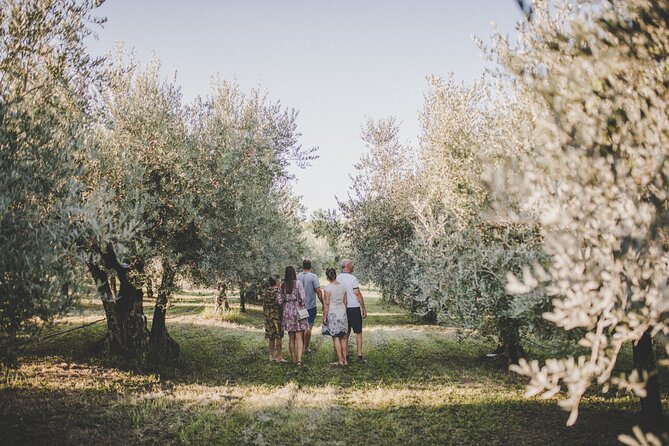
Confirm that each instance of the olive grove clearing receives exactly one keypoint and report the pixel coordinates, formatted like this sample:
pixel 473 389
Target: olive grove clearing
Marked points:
pixel 422 385
pixel 534 211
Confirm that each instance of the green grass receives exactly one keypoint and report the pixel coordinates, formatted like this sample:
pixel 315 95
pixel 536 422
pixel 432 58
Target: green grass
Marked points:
pixel 422 385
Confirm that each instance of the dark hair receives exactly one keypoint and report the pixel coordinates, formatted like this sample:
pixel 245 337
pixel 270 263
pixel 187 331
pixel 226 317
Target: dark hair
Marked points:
pixel 306 264
pixel 289 279
pixel 271 281
pixel 331 273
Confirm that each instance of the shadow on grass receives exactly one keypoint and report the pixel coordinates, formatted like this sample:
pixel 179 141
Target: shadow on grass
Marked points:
pixel 30 416
pixel 507 423
pixel 36 417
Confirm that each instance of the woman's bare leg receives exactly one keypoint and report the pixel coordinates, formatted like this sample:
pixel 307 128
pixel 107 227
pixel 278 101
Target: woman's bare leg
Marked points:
pixel 291 345
pixel 300 345
pixel 337 346
pixel 341 358
pixel 279 349
pixel 272 357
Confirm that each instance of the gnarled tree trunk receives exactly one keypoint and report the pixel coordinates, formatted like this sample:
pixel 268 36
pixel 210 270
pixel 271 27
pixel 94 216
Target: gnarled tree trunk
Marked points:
pixel 127 334
pixel 510 340
pixel 242 299
pixel 161 344
pixel 149 288
pixel 651 405
pixel 221 298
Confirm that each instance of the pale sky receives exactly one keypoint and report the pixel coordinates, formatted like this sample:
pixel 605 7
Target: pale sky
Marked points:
pixel 336 62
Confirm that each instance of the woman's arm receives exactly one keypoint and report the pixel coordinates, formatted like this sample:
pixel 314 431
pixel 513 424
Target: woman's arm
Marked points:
pixel 326 307
pixel 279 296
pixel 301 298
pixel 345 298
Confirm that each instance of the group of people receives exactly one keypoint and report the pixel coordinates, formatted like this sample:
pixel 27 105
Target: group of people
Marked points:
pixel 291 305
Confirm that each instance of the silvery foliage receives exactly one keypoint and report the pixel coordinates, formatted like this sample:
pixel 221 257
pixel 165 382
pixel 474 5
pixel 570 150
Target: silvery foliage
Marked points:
pixel 140 167
pixel 202 186
pixel 329 226
pixel 318 250
pixel 463 246
pixel 598 74
pixel 46 77
pixel 250 217
pixel 377 217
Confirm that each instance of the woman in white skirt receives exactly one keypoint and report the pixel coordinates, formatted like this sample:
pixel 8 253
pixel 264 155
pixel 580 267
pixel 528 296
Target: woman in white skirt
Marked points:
pixel 335 323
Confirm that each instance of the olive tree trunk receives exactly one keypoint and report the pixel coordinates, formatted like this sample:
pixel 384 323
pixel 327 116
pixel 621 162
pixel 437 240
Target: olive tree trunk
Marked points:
pixel 221 302
pixel 510 340
pixel 161 344
pixel 242 299
pixel 127 334
pixel 651 404
pixel 149 289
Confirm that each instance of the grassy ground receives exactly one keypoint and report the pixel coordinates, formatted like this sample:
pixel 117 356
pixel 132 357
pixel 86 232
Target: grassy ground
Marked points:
pixel 421 386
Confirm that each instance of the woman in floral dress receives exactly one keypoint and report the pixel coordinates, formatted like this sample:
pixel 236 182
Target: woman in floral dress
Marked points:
pixel 273 321
pixel 292 299
pixel 335 322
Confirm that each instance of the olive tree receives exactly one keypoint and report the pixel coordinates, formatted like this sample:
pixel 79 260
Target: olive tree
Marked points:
pixel 46 77
pixel 318 250
pixel 198 192
pixel 598 72
pixel 328 225
pixel 142 161
pixel 463 246
pixel 250 217
pixel 377 216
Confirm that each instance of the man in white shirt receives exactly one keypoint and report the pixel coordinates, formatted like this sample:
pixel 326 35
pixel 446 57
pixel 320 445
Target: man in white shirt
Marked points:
pixel 355 309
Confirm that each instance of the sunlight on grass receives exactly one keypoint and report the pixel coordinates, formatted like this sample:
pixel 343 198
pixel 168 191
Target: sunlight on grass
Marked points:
pixel 385 314
pixel 211 322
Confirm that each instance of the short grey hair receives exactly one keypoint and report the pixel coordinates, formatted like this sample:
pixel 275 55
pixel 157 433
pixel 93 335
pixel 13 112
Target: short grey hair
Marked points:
pixel 346 262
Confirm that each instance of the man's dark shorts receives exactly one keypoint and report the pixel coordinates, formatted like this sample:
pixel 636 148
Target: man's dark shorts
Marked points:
pixel 354 316
pixel 312 316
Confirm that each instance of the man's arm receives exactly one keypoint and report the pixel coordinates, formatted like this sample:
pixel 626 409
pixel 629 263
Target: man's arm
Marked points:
pixel 319 293
pixel 317 288
pixel 358 294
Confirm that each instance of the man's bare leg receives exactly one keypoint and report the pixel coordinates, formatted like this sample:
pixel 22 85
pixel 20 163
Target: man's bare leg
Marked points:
pixel 344 340
pixel 358 343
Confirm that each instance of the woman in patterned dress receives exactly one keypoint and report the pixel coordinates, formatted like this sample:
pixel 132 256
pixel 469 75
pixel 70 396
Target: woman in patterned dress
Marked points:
pixel 291 297
pixel 335 322
pixel 273 323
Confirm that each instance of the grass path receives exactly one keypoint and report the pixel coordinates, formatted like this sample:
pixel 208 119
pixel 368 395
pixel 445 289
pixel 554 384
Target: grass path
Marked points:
pixel 421 386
